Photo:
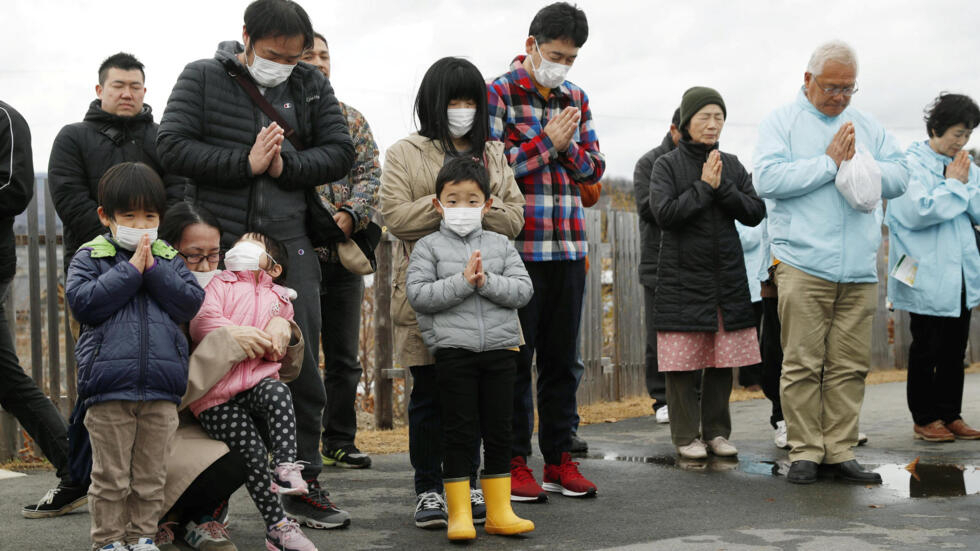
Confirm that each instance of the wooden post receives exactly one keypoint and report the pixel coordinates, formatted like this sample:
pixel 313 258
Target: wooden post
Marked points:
pixel 34 277
pixel 383 414
pixel 51 272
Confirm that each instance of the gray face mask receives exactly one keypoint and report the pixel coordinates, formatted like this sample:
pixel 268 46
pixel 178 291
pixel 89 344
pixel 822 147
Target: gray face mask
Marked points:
pixel 203 278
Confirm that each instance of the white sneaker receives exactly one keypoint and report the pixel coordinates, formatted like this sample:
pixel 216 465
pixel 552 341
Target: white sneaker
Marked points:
pixel 143 544
pixel 695 450
pixel 114 545
pixel 662 417
pixel 862 439
pixel 779 437
pixel 720 446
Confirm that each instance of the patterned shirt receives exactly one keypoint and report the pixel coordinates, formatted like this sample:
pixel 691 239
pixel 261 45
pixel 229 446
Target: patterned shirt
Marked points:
pixel 357 194
pixel 554 224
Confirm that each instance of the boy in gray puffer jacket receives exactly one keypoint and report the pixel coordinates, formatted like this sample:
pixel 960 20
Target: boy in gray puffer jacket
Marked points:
pixel 465 285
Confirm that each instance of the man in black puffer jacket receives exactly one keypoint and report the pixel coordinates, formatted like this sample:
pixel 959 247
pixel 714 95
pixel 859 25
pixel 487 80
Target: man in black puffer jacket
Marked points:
pixel 118 127
pixel 252 178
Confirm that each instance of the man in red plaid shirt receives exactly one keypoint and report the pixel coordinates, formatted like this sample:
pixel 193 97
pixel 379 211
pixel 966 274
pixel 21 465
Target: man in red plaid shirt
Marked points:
pixel 547 126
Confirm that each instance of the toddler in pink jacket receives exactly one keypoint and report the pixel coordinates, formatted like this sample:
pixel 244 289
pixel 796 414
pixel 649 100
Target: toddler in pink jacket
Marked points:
pixel 248 293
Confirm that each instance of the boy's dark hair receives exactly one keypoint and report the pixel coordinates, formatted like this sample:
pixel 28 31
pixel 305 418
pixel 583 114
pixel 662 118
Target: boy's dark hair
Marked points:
pixel 276 250
pixel 265 18
pixel 948 110
pixel 180 216
pixel 122 60
pixel 560 20
pixel 463 169
pixel 321 37
pixel 448 79
pixel 129 186
pixel 676 119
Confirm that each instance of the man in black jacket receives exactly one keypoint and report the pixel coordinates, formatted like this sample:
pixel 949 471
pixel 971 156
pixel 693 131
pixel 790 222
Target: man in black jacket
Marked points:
pixel 253 178
pixel 19 393
pixel 650 243
pixel 118 127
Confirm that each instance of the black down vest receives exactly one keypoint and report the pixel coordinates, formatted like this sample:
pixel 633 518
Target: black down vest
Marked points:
pixel 701 269
pixel 210 125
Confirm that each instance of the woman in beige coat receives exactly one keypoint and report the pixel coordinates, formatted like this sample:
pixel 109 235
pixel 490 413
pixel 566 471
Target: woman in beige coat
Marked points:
pixel 202 473
pixel 451 106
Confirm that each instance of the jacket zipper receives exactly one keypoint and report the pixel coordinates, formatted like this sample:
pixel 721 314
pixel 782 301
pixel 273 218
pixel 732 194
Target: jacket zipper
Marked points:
pixel 144 349
pixel 479 304
pixel 255 321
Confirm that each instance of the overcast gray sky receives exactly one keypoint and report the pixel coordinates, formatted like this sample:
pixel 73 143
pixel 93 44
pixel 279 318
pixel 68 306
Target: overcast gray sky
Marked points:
pixel 639 59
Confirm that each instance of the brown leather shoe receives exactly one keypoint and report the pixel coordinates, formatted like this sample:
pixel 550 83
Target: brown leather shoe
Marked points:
pixel 963 431
pixel 934 432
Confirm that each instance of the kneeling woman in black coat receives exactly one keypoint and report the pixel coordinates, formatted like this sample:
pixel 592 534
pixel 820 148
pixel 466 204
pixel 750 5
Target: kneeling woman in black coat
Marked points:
pixel 703 316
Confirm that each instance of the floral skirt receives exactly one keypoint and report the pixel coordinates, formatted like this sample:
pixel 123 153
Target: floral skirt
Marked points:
pixel 688 351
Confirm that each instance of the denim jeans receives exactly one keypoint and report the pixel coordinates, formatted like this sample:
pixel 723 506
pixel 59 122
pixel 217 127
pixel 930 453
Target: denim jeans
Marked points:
pixel 341 295
pixel 550 322
pixel 20 396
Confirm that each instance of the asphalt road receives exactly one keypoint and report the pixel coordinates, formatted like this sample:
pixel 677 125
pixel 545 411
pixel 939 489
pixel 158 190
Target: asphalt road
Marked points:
pixel 646 500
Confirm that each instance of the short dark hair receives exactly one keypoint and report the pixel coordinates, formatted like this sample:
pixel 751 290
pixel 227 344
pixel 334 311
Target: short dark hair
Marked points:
pixel 463 169
pixel 122 60
pixel 676 119
pixel 448 79
pixel 276 250
pixel 949 110
pixel 182 215
pixel 321 37
pixel 273 18
pixel 129 186
pixel 560 20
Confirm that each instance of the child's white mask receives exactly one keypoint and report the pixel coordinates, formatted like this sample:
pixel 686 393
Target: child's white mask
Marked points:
pixel 129 238
pixel 244 256
pixel 463 220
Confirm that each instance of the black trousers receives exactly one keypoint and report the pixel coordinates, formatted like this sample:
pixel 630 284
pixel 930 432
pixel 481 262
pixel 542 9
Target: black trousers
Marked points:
pixel 550 322
pixel 772 356
pixel 656 383
pixel 476 394
pixel 341 295
pixel 20 395
pixel 212 488
pixel 752 374
pixel 935 379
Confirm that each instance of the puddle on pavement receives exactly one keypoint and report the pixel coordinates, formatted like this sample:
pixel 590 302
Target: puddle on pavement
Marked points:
pixel 928 480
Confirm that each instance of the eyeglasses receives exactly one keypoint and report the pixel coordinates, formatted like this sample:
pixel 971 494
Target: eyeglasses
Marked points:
pixel 846 91
pixel 195 259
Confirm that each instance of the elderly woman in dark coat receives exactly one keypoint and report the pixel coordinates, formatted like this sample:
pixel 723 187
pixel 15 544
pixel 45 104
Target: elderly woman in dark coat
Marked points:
pixel 703 312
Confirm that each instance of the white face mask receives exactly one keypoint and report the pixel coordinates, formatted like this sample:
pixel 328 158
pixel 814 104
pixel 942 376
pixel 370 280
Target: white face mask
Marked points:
pixel 463 220
pixel 268 73
pixel 129 238
pixel 460 121
pixel 203 278
pixel 244 256
pixel 549 74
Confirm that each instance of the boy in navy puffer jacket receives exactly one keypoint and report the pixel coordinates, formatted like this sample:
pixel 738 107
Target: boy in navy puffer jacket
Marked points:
pixel 130 293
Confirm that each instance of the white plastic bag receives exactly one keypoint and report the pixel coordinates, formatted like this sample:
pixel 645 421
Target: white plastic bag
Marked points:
pixel 859 181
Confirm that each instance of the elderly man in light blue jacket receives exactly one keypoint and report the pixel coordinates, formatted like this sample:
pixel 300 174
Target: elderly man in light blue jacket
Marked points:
pixel 826 251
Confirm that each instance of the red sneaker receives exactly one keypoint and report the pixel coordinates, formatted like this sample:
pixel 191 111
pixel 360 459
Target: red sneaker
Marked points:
pixel 566 479
pixel 523 487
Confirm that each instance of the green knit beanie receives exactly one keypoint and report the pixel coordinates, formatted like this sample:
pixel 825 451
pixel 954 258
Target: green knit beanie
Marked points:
pixel 696 98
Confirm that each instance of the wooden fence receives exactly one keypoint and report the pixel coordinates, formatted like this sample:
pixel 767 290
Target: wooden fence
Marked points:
pixel 613 333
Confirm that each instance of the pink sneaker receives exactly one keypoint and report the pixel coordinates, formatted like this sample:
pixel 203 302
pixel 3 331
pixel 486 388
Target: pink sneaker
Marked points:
pixel 287 479
pixel 287 537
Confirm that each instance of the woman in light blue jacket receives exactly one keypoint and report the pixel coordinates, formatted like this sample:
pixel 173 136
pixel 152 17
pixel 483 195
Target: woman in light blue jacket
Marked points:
pixel 934 265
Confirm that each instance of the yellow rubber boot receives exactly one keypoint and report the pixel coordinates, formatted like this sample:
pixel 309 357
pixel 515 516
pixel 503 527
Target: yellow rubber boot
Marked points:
pixel 500 517
pixel 460 511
